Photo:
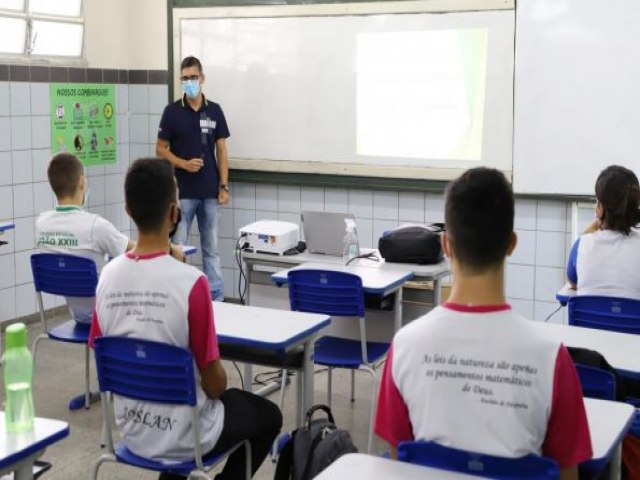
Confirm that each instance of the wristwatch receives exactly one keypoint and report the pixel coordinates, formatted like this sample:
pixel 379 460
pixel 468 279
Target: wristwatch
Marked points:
pixel 225 187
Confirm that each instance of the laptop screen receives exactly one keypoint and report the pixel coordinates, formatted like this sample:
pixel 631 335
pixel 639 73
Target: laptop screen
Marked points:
pixel 324 232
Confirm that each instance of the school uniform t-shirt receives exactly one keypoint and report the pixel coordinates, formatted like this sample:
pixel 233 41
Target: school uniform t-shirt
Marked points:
pixel 483 380
pixel 70 229
pixel 156 297
pixel 606 263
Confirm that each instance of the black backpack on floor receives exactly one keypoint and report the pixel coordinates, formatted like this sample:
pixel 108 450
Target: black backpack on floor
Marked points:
pixel 313 447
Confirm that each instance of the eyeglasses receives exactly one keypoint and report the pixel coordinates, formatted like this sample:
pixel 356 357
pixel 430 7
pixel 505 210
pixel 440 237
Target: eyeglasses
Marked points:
pixel 185 78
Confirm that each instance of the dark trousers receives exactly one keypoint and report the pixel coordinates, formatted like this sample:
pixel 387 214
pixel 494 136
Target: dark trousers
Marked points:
pixel 246 417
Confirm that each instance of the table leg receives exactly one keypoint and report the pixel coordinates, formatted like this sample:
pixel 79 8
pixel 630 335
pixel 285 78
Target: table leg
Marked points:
pixel 307 397
pixel 248 268
pixel 24 472
pixel 615 464
pixel 397 310
pixel 248 377
pixel 437 292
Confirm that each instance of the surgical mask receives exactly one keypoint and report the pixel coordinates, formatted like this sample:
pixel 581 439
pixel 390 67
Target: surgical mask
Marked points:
pixel 85 198
pixel 175 225
pixel 191 88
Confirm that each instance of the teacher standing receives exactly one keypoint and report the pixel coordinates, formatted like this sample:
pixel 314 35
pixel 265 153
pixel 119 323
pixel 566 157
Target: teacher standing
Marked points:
pixel 192 137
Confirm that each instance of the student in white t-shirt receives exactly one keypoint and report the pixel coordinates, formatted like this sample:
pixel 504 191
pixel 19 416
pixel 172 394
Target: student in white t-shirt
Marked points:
pixel 182 315
pixel 606 259
pixel 472 374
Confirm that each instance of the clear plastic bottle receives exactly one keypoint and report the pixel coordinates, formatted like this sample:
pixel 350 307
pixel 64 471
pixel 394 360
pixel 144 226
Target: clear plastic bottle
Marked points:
pixel 17 364
pixel 350 244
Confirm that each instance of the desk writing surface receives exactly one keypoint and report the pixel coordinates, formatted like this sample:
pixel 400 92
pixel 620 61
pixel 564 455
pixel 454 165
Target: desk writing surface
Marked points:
pixel 264 327
pixel 6 226
pixel 608 423
pixel 622 350
pixel 374 280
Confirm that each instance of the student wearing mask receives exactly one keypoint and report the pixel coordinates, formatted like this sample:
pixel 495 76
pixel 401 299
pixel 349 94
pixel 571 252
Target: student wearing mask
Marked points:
pixel 472 374
pixel 606 259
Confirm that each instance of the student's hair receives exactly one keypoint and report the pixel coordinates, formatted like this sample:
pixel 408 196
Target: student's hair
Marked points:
pixel 191 62
pixel 149 191
pixel 64 174
pixel 618 192
pixel 479 210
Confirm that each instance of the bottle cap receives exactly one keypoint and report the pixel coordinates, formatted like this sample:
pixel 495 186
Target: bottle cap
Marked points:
pixel 15 336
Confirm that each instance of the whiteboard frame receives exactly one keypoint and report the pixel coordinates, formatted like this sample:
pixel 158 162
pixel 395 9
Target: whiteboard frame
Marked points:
pixel 315 10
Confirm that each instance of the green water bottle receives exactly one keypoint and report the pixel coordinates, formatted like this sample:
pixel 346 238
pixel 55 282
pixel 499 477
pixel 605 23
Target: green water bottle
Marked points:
pixel 18 373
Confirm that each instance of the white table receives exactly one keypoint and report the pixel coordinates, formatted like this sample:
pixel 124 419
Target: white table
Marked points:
pixel 19 452
pixel 276 331
pixel 362 466
pixel 4 226
pixel 608 424
pixel 622 350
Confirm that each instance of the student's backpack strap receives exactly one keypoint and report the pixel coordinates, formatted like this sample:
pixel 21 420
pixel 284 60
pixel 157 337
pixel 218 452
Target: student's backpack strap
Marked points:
pixel 284 466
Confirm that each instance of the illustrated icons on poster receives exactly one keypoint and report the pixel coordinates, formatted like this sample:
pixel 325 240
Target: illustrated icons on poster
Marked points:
pixel 60 111
pixel 107 111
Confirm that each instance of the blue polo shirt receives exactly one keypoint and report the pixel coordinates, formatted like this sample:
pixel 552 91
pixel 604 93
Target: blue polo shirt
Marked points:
pixel 193 134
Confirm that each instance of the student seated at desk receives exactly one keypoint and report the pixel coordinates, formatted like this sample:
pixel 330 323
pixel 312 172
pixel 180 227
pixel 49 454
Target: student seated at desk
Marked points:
pixel 472 374
pixel 182 315
pixel 71 229
pixel 606 259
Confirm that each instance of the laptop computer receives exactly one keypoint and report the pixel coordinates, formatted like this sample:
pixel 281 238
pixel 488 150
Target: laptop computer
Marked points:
pixel 324 232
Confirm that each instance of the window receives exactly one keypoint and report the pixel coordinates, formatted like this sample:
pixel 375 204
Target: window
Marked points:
pixel 41 28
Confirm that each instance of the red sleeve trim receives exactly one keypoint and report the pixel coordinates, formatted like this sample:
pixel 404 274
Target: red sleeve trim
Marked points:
pixel 458 307
pixel 392 421
pixel 567 441
pixel 95 330
pixel 202 335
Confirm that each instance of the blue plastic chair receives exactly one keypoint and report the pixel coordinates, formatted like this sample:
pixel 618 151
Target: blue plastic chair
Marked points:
pixel 596 382
pixel 152 372
pixel 70 276
pixel 605 313
pixel 338 294
pixel 430 454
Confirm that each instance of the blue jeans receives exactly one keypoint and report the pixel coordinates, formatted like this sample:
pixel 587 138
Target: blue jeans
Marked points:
pixel 206 211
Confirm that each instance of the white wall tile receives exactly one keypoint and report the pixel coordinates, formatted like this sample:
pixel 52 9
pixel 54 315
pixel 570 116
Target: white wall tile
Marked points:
pixel 5 134
pixel 434 207
pixel 361 203
pixel 548 281
pixel 385 205
pixel 40 132
pixel 23 200
pixel 20 98
pixel 525 251
pixel 154 122
pixel 7 304
pixel 139 129
pixel 25 300
pixel 312 199
pixel 97 188
pixel 525 214
pixel 379 227
pixel 93 170
pixel 114 213
pixel 226 248
pixel 6 168
pixel 138 99
pixel 114 185
pixel 289 199
pixel 5 100
pixel 242 218
pixel 336 200
pixel 266 215
pixel 267 197
pixel 40 159
pixel 225 223
pixel 552 216
pixel 243 196
pixel 137 151
pixel 230 288
pixel 365 233
pixel 586 217
pixel 122 99
pixel 7 267
pixel 412 206
pixel 6 203
pixel 43 198
pixel 550 249
pixel 549 310
pixel 158 98
pixel 523 307
pixel 123 159
pixel 20 133
pixel 39 98
pixel 23 267
pixel 122 128
pixel 289 217
pixel 520 281
pixel 22 166
pixel 24 233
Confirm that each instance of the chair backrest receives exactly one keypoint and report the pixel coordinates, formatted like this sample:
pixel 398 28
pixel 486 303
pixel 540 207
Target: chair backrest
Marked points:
pixel 145 370
pixel 605 313
pixel 63 274
pixel 596 383
pixel 326 291
pixel 436 456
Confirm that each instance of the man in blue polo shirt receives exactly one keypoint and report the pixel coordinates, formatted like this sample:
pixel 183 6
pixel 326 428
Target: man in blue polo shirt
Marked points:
pixel 192 137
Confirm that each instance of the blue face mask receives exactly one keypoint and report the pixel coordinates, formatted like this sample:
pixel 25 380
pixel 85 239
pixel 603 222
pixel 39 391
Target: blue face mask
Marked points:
pixel 191 88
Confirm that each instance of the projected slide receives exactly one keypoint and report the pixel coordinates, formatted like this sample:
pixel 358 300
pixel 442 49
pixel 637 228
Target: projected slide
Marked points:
pixel 421 94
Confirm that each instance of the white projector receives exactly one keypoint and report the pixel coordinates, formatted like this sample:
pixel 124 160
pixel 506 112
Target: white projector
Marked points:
pixel 270 236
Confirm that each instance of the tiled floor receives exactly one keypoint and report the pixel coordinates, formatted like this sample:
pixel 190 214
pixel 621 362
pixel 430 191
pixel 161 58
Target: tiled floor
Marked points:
pixel 59 372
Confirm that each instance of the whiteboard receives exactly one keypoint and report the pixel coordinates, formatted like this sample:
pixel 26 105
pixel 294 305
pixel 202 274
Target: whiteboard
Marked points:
pixel 577 93
pixel 286 78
